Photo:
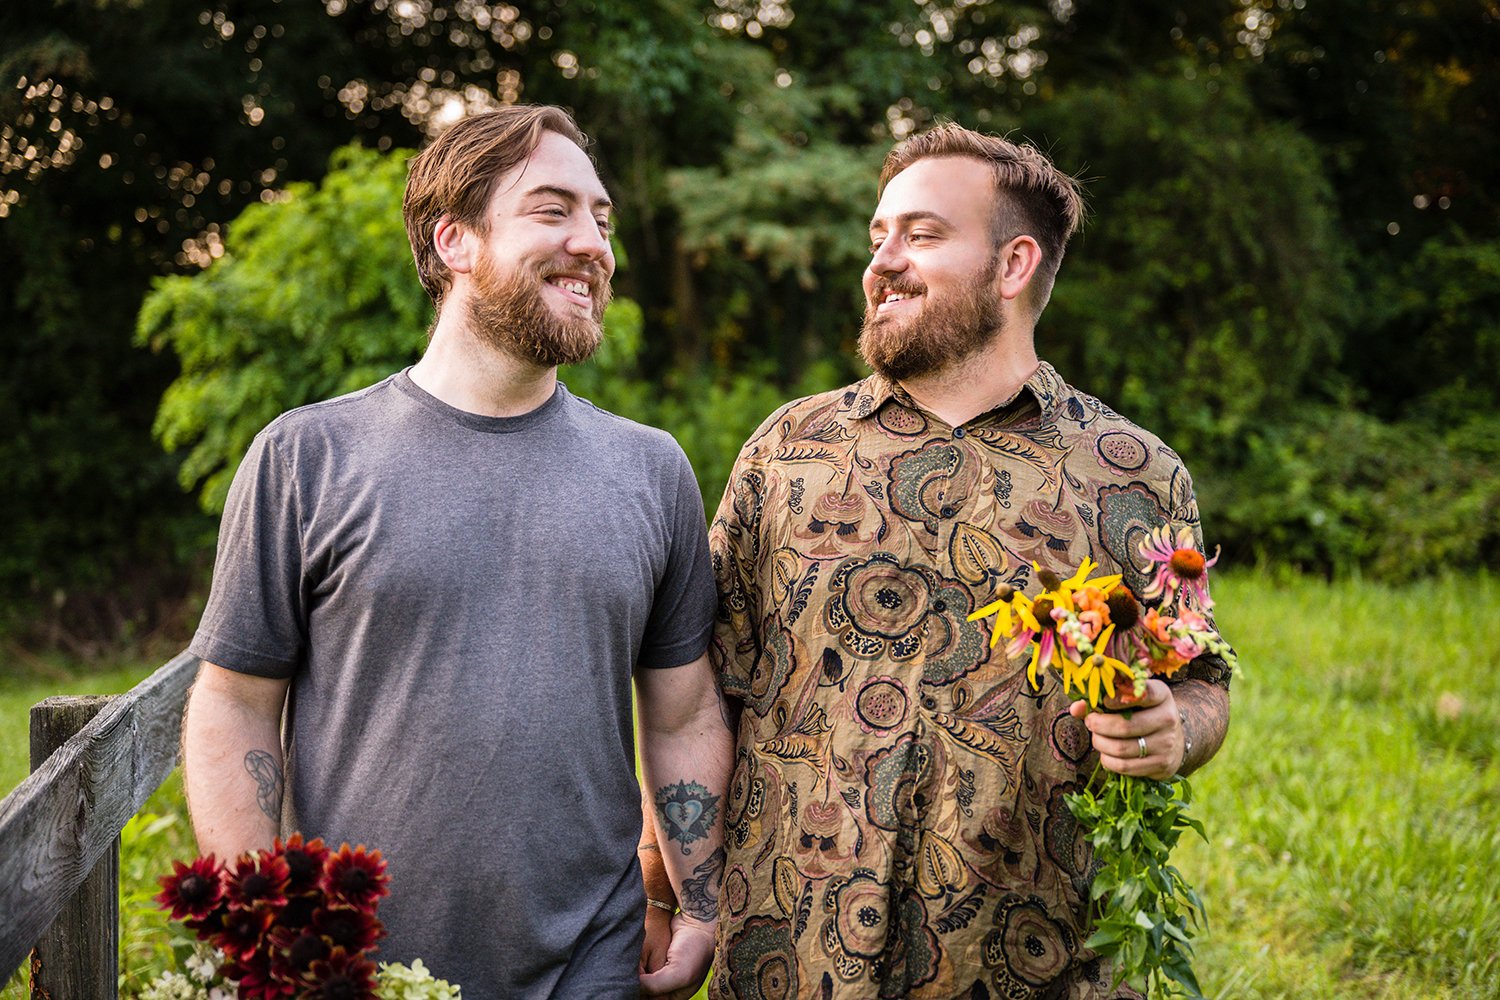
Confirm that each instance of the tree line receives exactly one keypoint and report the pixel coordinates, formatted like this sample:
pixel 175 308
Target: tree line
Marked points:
pixel 1291 268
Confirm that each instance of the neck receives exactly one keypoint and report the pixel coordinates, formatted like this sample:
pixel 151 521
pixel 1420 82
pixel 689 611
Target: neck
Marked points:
pixel 471 375
pixel 961 391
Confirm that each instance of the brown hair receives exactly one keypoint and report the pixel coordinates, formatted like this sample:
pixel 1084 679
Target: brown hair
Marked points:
pixel 456 175
pixel 1032 197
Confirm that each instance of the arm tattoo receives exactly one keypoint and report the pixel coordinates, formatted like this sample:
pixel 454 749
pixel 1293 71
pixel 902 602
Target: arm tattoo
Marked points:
pixel 268 782
pixel 689 810
pixel 648 847
pixel 700 892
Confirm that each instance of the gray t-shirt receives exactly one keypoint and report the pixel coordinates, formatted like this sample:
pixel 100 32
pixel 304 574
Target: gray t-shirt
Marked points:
pixel 460 602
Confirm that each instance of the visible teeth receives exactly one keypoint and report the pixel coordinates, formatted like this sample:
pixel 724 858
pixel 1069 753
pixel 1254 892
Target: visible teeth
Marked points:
pixel 897 296
pixel 577 287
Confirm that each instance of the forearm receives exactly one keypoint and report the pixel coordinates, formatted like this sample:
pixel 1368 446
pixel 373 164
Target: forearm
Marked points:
pixel 654 875
pixel 686 755
pixel 1203 709
pixel 233 770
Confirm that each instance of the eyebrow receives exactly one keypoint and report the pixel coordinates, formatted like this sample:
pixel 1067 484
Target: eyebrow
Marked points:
pixel 909 217
pixel 568 196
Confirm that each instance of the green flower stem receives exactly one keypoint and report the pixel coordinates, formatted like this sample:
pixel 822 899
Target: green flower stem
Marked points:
pixel 1146 913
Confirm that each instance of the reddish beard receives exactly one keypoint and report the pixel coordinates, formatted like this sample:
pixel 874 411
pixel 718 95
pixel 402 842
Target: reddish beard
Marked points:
pixel 944 330
pixel 510 314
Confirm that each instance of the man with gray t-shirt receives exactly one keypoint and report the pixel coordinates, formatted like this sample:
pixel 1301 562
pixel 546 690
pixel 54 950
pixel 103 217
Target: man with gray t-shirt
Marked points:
pixel 431 598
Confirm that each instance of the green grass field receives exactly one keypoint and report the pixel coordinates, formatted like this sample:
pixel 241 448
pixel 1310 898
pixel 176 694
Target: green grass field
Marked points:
pixel 1354 812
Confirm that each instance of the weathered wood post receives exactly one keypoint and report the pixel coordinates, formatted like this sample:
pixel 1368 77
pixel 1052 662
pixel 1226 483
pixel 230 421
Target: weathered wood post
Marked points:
pixel 79 955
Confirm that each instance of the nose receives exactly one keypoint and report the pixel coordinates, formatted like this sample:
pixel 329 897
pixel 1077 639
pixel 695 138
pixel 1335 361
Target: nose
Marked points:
pixel 586 241
pixel 888 259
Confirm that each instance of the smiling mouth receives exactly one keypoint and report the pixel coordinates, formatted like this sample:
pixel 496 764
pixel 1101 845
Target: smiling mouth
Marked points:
pixel 890 298
pixel 576 288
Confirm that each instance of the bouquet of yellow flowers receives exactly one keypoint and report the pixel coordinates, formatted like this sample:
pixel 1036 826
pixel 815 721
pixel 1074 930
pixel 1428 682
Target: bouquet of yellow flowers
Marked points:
pixel 1093 633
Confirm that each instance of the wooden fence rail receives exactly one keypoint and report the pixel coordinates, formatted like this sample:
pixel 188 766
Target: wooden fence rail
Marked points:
pixel 58 824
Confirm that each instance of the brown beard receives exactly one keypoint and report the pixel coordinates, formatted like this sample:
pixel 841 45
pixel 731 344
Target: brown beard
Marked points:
pixel 509 314
pixel 943 332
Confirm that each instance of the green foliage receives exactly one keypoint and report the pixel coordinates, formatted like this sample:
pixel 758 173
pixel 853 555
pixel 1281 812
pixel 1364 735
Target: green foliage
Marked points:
pixel 1335 489
pixel 1204 295
pixel 316 297
pixel 1147 911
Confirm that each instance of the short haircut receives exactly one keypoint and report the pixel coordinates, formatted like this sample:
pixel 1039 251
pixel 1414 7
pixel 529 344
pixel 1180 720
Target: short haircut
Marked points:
pixel 1032 197
pixel 456 175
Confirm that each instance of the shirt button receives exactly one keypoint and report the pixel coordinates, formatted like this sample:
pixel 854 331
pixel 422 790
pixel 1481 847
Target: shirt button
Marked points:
pixel 947 511
pixel 959 432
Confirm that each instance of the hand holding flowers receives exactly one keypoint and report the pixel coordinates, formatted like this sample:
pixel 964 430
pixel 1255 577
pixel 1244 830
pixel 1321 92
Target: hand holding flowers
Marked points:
pixel 1093 633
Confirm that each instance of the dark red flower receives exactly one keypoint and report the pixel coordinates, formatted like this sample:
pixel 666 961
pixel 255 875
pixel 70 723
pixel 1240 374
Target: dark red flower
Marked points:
pixel 298 911
pixel 255 979
pixel 257 880
pixel 348 927
pixel 356 877
pixel 293 951
pixel 194 891
pixel 304 862
pixel 341 976
pixel 240 934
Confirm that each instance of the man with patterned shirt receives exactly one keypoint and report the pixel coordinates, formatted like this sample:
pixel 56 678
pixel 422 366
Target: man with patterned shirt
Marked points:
pixel 896 824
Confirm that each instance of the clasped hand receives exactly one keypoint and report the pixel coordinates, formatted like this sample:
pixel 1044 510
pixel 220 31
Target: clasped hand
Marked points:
pixel 1117 733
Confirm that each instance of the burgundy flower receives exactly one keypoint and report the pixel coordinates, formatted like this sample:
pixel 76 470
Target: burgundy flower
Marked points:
pixel 192 892
pixel 356 877
pixel 241 932
pixel 348 927
pixel 256 980
pixel 304 862
pixel 341 976
pixel 257 880
pixel 294 950
pixel 298 911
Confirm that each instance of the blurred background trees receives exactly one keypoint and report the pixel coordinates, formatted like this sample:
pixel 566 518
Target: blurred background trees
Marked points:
pixel 1291 272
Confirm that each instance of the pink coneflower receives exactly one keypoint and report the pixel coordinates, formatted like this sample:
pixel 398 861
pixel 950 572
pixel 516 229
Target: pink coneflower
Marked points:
pixel 1179 566
pixel 192 892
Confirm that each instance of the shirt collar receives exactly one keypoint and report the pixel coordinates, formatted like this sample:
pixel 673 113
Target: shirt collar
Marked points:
pixel 1044 386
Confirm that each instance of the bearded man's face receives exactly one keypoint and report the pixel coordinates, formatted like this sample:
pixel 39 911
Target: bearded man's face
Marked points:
pixel 931 294
pixel 539 280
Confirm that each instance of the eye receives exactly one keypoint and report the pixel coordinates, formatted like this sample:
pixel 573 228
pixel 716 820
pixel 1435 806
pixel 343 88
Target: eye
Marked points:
pixel 875 245
pixel 553 211
pixel 606 227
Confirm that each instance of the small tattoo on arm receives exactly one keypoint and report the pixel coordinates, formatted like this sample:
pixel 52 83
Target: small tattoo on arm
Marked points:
pixel 268 782
pixel 649 847
pixel 700 891
pixel 689 810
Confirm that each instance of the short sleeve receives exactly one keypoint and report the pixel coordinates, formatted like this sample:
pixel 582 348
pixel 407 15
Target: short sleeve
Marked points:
pixel 682 610
pixel 734 542
pixel 256 618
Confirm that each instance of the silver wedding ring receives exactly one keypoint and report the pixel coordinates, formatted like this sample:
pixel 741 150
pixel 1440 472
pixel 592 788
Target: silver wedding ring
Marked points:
pixel 1141 741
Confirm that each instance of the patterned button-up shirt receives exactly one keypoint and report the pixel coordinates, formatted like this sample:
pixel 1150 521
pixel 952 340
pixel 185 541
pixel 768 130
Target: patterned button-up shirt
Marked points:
pixel 896 825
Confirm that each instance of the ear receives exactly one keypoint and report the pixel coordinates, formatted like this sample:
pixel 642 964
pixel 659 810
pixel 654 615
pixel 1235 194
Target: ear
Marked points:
pixel 454 243
pixel 1019 260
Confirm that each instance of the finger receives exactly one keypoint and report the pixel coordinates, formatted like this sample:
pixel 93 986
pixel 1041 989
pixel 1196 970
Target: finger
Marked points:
pixel 1139 723
pixel 1139 767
